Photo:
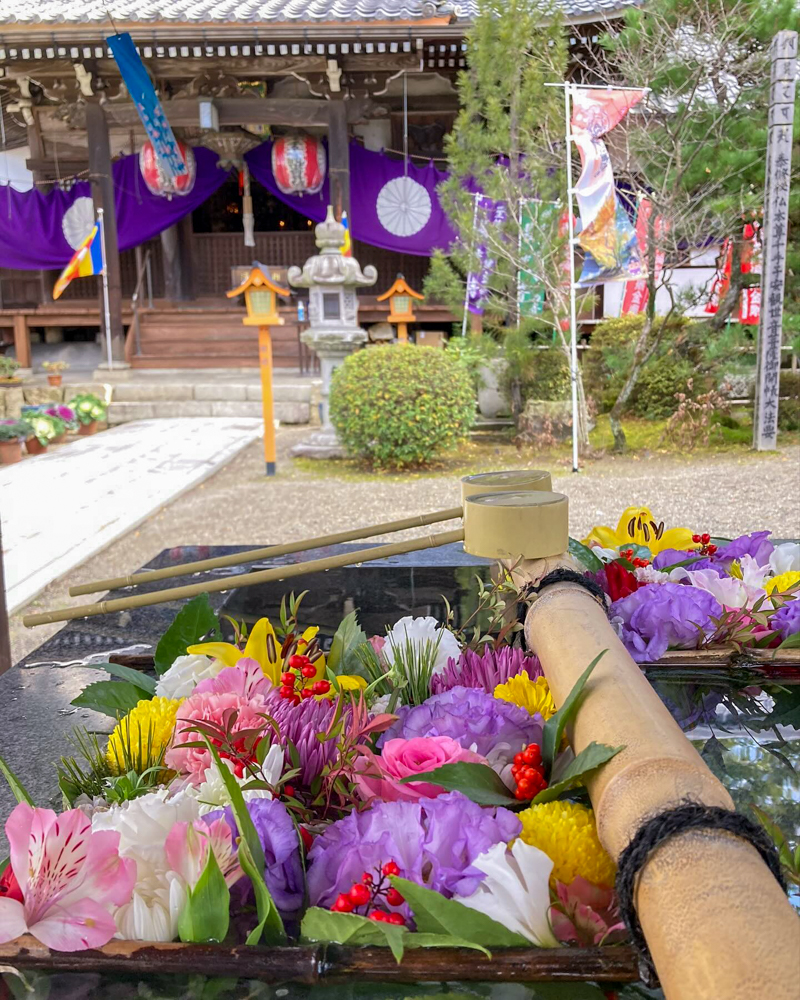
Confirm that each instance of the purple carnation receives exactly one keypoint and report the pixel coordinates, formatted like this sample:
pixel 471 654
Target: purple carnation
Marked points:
pixel 493 728
pixel 299 724
pixel 660 616
pixel 279 839
pixel 756 544
pixel 495 666
pixel 432 841
pixel 786 620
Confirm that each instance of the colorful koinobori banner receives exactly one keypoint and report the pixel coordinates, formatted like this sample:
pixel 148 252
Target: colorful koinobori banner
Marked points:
pixel 637 293
pixel 150 109
pixel 607 234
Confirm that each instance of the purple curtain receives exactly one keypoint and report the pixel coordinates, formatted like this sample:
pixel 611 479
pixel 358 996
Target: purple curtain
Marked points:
pixel 389 208
pixel 33 225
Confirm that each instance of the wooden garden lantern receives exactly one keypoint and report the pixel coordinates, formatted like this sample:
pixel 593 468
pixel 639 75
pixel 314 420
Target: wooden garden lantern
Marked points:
pixel 261 299
pixel 401 306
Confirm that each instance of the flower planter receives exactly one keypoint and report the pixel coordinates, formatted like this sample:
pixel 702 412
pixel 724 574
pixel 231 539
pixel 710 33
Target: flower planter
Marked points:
pixel 54 379
pixel 34 446
pixel 8 383
pixel 10 452
pixel 59 439
pixel 85 430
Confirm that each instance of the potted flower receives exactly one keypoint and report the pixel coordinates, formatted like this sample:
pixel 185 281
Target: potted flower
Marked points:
pixel 66 415
pixel 12 434
pixel 42 431
pixel 55 370
pixel 8 371
pixel 89 409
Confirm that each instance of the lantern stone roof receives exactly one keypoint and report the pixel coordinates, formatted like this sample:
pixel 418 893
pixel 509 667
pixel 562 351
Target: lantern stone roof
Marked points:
pixel 193 13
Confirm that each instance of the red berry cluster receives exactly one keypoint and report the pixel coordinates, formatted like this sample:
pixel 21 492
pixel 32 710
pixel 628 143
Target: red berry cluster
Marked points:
pixel 297 683
pixel 370 892
pixel 635 560
pixel 704 540
pixel 528 772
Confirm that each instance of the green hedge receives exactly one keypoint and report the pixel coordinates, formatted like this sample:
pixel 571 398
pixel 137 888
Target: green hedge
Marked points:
pixel 399 405
pixel 789 409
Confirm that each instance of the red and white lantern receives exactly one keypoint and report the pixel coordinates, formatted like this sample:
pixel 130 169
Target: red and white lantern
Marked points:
pixel 157 181
pixel 298 164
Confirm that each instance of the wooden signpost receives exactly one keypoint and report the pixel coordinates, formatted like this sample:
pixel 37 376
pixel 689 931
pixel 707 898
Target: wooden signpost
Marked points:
pixel 776 216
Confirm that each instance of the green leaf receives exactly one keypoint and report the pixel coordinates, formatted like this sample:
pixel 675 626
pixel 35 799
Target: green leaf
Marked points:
pixel 584 555
pixel 477 781
pixel 206 915
pixel 683 562
pixel 554 727
pixel 434 914
pixel 776 835
pixel 791 642
pixel 251 858
pixel 415 940
pixel 112 698
pixel 587 760
pixel 347 637
pixel 350 928
pixel 135 677
pixel 19 790
pixel 192 622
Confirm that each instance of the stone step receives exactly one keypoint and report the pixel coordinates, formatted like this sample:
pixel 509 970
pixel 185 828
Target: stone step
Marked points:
pixel 149 392
pixel 286 412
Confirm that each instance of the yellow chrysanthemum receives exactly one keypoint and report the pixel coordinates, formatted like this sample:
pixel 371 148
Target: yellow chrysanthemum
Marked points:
pixel 782 582
pixel 533 696
pixel 567 834
pixel 139 739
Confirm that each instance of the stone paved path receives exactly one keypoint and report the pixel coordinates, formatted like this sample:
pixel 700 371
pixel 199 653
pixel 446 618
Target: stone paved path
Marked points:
pixel 61 508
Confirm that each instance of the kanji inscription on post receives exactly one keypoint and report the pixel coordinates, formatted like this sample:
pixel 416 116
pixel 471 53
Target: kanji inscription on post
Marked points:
pixel 776 212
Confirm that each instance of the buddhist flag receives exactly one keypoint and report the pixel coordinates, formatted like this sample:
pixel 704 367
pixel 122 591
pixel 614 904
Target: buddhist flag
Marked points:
pixel 611 252
pixel 86 261
pixel 347 246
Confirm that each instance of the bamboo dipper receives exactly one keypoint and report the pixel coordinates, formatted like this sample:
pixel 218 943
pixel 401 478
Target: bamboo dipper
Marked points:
pixel 516 480
pixel 496 526
pixel 717 923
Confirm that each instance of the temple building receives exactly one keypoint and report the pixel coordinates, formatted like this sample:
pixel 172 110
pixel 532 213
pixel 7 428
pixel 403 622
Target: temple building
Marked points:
pixel 283 108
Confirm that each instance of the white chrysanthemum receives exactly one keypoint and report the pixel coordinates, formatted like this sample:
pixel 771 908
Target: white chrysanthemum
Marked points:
pixel 212 792
pixel 144 823
pixel 785 558
pixel 185 674
pixel 156 905
pixel 516 891
pixel 418 632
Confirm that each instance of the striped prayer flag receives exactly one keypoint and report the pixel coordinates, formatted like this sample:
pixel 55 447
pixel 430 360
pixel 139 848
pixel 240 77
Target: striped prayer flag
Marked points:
pixel 86 261
pixel 347 246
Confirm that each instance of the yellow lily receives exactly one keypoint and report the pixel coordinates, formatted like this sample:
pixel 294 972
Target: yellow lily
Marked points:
pixel 637 526
pixel 264 647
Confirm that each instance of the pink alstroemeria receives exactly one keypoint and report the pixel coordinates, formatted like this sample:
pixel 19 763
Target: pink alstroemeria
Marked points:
pixel 187 850
pixel 70 879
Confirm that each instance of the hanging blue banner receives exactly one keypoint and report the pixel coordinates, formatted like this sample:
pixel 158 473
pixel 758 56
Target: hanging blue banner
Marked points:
pixel 148 105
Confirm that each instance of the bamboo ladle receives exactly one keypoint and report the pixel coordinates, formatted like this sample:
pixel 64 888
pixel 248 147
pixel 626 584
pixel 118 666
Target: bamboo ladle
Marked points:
pixel 518 480
pixel 530 525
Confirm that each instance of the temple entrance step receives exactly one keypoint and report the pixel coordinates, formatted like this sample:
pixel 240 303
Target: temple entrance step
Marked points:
pixel 134 400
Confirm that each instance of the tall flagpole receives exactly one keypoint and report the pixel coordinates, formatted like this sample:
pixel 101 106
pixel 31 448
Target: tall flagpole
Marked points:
pixel 106 303
pixel 573 319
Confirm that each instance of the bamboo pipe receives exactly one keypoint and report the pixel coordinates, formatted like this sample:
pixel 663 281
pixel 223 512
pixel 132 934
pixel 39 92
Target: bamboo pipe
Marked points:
pixel 243 579
pixel 717 923
pixel 270 552
pixel 515 480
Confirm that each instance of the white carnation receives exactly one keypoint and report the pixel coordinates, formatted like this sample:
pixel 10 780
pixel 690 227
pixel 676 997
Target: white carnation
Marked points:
pixel 212 792
pixel 185 674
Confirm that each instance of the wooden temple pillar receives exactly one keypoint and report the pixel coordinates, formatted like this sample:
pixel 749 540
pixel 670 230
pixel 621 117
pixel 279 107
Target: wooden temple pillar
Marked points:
pixel 339 157
pixel 176 246
pixel 103 197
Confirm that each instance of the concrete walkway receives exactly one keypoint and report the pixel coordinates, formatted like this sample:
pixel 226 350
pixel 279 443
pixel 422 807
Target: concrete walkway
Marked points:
pixel 61 508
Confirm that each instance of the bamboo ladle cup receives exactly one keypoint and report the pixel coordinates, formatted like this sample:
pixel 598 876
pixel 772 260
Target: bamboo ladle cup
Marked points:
pixel 530 525
pixel 518 480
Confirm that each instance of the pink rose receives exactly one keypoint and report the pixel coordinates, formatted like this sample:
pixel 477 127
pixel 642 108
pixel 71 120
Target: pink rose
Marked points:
pixel 379 776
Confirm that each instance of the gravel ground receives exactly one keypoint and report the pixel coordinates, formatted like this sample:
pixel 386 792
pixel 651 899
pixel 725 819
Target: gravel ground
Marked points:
pixel 728 494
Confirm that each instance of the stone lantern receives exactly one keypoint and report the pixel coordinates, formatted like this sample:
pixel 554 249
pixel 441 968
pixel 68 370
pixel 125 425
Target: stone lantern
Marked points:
pixel 331 279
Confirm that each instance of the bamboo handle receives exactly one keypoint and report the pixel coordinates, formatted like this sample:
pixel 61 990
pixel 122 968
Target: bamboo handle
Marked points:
pixel 244 579
pixel 304 544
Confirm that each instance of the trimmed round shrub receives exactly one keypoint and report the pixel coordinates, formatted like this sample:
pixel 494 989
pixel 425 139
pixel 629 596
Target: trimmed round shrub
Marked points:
pixel 398 405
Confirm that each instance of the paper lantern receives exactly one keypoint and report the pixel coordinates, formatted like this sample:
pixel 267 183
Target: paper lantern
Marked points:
pixel 157 181
pixel 298 164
